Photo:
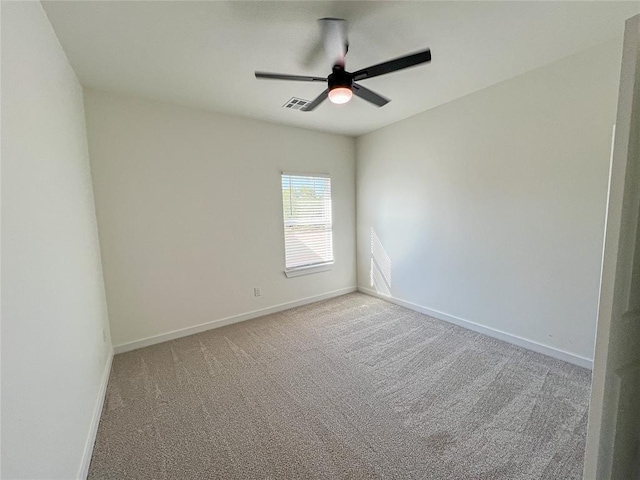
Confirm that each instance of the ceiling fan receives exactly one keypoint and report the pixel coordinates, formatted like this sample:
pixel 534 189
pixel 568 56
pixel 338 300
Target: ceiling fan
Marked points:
pixel 341 85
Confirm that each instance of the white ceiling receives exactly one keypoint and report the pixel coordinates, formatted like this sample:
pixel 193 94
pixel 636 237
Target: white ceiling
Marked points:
pixel 203 54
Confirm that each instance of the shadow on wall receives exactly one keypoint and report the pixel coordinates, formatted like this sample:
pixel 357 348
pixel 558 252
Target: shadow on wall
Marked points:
pixel 380 273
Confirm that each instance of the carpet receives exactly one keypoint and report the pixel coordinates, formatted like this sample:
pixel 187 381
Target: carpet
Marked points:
pixel 353 388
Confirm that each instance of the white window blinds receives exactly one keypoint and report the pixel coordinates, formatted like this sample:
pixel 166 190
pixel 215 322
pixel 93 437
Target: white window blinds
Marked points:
pixel 306 201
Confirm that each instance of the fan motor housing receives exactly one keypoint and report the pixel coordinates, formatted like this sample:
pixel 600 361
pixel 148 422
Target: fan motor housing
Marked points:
pixel 339 78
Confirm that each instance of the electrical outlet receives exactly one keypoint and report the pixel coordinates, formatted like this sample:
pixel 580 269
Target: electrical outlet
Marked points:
pixel 104 335
pixel 257 292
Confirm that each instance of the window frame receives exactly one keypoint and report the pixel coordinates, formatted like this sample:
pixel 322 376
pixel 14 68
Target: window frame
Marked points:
pixel 316 267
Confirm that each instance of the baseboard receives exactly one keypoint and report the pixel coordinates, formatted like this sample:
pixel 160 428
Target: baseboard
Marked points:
pixel 184 332
pixel 95 420
pixel 490 332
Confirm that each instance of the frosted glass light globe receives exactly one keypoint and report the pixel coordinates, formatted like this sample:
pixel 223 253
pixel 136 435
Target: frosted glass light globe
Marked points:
pixel 340 95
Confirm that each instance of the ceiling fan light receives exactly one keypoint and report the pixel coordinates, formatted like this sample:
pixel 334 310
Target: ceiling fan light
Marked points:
pixel 340 95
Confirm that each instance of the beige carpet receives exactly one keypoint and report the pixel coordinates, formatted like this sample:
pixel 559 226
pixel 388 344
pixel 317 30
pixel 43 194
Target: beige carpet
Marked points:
pixel 352 387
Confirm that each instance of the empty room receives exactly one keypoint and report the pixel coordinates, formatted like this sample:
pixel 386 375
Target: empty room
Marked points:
pixel 320 240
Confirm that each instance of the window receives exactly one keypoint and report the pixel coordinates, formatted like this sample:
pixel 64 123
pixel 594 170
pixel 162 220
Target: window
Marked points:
pixel 308 239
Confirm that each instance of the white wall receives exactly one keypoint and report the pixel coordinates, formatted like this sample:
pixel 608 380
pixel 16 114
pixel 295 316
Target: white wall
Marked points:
pixel 54 309
pixel 491 208
pixel 189 209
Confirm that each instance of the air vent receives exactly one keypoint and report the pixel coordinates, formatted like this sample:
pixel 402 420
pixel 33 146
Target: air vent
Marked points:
pixel 296 103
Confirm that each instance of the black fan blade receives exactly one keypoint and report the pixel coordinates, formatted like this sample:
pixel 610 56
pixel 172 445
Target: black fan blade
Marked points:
pixel 282 76
pixel 334 37
pixel 393 65
pixel 317 101
pixel 369 96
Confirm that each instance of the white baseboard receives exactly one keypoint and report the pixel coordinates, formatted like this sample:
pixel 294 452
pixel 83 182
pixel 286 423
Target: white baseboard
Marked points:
pixel 95 420
pixel 490 332
pixel 184 332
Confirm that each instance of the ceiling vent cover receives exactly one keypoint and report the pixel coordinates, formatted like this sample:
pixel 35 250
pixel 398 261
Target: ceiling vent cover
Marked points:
pixel 296 103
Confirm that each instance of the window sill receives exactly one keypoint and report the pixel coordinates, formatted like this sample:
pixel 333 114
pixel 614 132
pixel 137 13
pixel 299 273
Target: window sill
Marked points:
pixel 296 272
